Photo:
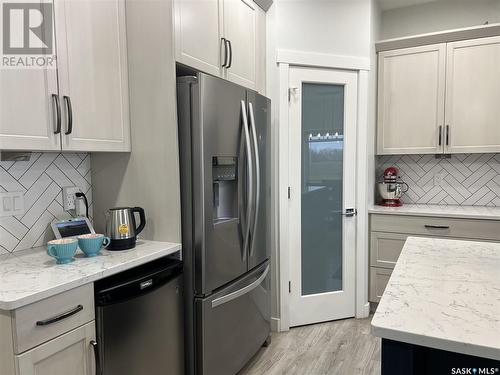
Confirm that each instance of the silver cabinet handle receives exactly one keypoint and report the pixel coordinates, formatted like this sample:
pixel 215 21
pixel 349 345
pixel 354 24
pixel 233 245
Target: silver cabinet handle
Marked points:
pixel 59 317
pixel 224 42
pixel 257 176
pixel 67 99
pixel 231 296
pixel 97 357
pixel 250 203
pixel 230 63
pixel 55 98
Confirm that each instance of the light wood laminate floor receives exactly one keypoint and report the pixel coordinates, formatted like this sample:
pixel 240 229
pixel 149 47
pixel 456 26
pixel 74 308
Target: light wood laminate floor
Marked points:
pixel 343 347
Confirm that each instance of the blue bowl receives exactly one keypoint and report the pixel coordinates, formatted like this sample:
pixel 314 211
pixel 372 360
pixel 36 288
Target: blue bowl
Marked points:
pixel 91 244
pixel 63 250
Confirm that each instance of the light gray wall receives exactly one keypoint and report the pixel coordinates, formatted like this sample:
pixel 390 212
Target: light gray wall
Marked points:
pixel 438 16
pixel 149 176
pixel 337 27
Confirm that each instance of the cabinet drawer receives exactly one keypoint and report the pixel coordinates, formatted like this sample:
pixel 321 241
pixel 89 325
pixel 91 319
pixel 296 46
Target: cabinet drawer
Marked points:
pixel 74 308
pixel 385 248
pixel 435 226
pixel 379 277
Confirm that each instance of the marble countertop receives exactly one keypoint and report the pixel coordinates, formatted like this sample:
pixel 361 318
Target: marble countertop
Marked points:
pixel 444 294
pixel 31 275
pixel 464 212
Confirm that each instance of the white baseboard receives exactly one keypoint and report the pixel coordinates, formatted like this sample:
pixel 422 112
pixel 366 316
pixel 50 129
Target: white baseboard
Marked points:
pixel 275 324
pixel 364 311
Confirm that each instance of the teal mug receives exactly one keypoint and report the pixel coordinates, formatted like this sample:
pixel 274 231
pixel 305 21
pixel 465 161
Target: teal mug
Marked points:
pixel 91 244
pixel 63 249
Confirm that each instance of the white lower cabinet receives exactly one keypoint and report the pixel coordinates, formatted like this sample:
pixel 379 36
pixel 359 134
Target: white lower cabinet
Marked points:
pixel 68 354
pixel 53 336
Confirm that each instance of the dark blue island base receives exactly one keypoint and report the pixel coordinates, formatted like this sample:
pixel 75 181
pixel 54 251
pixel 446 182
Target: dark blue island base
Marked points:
pixel 400 358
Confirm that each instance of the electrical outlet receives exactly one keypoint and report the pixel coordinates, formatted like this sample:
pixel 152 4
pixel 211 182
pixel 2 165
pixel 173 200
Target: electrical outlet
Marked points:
pixel 69 198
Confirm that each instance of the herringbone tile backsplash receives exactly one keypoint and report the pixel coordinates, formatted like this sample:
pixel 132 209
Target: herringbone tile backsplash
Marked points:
pixel 41 179
pixel 464 179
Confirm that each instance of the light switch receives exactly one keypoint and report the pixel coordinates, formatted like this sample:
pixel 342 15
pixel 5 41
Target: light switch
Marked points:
pixel 12 203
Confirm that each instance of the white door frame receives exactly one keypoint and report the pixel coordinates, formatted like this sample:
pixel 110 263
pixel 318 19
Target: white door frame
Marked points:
pixel 361 295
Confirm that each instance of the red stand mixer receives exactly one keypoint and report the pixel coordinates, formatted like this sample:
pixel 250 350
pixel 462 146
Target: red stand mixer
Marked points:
pixel 391 188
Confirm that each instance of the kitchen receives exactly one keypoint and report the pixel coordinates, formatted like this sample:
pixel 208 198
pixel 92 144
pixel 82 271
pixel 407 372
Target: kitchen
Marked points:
pixel 334 198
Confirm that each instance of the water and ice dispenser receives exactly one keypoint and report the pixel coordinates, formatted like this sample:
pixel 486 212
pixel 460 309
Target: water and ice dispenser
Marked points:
pixel 225 188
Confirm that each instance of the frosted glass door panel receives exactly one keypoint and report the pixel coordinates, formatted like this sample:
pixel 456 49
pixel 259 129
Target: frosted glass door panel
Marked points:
pixel 322 182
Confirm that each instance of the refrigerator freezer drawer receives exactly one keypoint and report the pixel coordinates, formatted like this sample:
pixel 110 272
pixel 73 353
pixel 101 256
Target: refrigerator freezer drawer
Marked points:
pixel 233 324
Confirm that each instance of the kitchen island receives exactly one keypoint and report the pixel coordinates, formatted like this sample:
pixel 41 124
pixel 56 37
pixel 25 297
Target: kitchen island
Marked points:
pixel 440 312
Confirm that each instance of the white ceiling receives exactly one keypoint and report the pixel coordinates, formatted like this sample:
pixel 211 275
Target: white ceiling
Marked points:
pixel 392 4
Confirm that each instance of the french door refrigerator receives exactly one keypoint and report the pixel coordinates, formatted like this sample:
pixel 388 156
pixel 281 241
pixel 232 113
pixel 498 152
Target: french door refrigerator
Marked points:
pixel 225 193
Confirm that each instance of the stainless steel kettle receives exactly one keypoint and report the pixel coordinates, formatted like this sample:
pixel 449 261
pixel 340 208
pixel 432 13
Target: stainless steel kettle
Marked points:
pixel 121 227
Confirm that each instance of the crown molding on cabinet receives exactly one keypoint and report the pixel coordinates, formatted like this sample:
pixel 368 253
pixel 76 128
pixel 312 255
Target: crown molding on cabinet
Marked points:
pixel 482 31
pixel 323 60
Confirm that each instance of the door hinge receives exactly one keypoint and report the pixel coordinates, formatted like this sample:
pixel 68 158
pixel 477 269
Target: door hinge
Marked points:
pixel 289 287
pixel 289 192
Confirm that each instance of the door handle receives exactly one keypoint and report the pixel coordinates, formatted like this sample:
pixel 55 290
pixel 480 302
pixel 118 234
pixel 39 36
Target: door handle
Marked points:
pixel 447 135
pixel 67 99
pixel 97 357
pixel 240 292
pixel 440 136
pixel 250 203
pixel 257 176
pixel 224 42
pixel 55 98
pixel 60 317
pixel 349 212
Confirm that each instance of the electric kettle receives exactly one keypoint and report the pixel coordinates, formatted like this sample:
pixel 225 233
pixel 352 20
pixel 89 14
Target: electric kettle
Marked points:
pixel 121 227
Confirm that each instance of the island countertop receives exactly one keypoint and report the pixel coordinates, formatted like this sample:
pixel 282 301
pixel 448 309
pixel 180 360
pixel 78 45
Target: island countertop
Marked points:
pixel 31 275
pixel 444 294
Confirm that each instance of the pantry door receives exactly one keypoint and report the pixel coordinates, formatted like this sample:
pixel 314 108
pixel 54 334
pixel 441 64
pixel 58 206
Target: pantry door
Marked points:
pixel 322 116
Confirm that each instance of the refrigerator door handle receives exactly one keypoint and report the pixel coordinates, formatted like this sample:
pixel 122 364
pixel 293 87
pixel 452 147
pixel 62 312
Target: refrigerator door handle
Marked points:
pixel 257 176
pixel 246 229
pixel 240 292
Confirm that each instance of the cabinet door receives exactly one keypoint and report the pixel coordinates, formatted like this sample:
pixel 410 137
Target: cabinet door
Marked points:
pixel 473 96
pixel 411 85
pixel 240 28
pixel 27 109
pixel 198 33
pixel 69 354
pixel 91 41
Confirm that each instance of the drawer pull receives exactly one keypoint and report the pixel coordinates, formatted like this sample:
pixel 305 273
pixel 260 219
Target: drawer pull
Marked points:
pixel 62 316
pixel 436 226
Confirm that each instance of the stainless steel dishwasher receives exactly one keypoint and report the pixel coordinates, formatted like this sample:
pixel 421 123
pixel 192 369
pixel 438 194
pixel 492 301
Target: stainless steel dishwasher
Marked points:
pixel 140 325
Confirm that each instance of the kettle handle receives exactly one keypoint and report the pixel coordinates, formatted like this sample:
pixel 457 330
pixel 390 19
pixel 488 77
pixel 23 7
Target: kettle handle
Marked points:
pixel 142 216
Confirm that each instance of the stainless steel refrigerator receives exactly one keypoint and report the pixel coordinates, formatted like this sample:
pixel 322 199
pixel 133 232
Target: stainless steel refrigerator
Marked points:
pixel 224 133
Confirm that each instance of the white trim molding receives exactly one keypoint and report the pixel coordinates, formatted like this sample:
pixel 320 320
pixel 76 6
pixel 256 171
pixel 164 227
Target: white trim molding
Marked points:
pixel 362 305
pixel 322 60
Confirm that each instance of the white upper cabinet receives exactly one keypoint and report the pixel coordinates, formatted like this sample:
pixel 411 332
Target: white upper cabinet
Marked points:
pixel 411 84
pixel 198 34
pixel 225 38
pixel 28 112
pixel 240 29
pixel 81 102
pixel 93 72
pixel 473 96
